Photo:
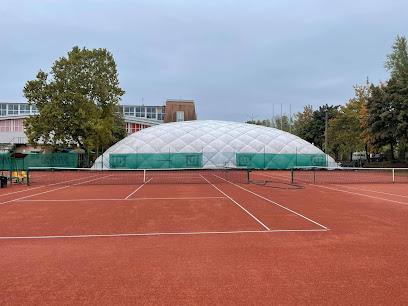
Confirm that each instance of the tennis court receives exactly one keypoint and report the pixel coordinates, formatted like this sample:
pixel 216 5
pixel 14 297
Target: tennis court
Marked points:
pixel 201 237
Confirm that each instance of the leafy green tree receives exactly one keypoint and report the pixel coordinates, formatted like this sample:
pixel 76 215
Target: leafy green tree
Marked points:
pixel 382 119
pixel 346 129
pixel 397 61
pixel 119 126
pixel 76 101
pixel 282 123
pixel 397 96
pixel 277 120
pixel 314 131
pixel 302 122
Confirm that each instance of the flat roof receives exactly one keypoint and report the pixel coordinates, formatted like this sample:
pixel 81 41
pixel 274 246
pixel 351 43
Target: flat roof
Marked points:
pixel 179 100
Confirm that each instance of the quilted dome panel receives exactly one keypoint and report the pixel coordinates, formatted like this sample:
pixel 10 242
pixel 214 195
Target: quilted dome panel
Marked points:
pixel 219 141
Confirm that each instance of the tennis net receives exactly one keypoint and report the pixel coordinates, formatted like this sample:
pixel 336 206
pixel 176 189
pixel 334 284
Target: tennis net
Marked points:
pixel 323 175
pixel 80 176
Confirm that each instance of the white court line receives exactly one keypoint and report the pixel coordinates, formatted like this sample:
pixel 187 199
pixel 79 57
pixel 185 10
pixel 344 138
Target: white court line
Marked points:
pixel 273 202
pixel 237 204
pixel 137 189
pixel 28 189
pixel 33 195
pixel 356 193
pixel 360 194
pixel 32 188
pixel 160 234
pixel 382 192
pixel 134 199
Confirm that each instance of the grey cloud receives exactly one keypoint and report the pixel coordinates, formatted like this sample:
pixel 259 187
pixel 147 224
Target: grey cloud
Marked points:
pixel 233 58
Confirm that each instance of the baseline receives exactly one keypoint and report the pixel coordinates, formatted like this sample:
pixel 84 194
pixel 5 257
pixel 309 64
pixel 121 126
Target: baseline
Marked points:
pixel 133 199
pixel 160 234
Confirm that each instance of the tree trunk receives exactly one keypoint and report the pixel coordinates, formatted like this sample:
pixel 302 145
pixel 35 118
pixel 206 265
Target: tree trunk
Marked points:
pixel 367 154
pixel 392 151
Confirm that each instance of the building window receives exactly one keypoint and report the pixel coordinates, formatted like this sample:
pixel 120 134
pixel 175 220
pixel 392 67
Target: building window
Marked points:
pixel 13 109
pixel 18 125
pixel 151 112
pixel 160 112
pixel 129 110
pixel 34 109
pixel 134 127
pixel 140 112
pixel 24 109
pixel 130 128
pixel 180 116
pixel 3 109
pixel 15 125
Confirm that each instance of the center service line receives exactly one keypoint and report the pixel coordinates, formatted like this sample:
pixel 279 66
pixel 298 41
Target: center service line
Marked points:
pixel 237 204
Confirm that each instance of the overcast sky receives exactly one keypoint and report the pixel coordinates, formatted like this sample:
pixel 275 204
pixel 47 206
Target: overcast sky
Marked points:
pixel 234 58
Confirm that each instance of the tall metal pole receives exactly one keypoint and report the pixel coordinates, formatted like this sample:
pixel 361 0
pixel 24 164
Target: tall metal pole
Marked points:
pixel 326 145
pixel 273 115
pixel 290 118
pixel 281 119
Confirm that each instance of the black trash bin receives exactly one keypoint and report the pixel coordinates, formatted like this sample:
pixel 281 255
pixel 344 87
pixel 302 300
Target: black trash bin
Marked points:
pixel 3 181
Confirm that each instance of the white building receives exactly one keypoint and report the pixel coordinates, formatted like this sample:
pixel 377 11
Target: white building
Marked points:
pixel 137 117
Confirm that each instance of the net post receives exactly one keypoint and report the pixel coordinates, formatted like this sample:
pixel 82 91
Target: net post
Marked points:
pixel 291 172
pixel 144 176
pixel 28 177
pixel 393 175
pixel 248 171
pixel 53 175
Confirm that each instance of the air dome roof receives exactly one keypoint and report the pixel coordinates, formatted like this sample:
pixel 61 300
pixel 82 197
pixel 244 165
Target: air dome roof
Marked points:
pixel 219 140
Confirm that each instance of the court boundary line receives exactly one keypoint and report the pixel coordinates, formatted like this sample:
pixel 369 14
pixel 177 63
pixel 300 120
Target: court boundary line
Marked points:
pixel 374 191
pixel 159 234
pixel 120 199
pixel 363 195
pixel 24 190
pixel 356 193
pixel 273 202
pixel 33 195
pixel 42 186
pixel 256 219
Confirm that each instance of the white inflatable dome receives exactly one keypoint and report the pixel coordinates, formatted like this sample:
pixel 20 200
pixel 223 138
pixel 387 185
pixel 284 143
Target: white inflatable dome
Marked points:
pixel 218 141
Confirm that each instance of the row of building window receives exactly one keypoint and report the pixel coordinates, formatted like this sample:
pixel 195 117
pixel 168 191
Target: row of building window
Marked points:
pixel 134 111
pixel 17 109
pixel 134 127
pixel 14 125
pixel 144 112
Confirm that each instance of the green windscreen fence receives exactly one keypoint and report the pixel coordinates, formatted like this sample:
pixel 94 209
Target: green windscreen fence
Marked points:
pixel 155 161
pixel 68 160
pixel 280 161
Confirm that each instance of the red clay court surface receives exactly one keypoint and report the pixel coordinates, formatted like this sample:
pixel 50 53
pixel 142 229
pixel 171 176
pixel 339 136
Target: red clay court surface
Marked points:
pixel 208 244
